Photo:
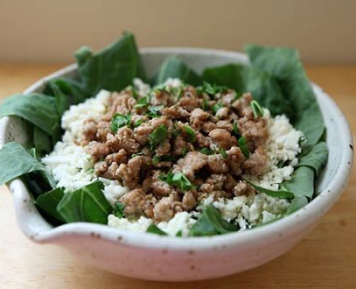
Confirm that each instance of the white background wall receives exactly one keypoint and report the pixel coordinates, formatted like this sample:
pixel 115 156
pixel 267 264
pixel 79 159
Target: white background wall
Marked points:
pixel 44 31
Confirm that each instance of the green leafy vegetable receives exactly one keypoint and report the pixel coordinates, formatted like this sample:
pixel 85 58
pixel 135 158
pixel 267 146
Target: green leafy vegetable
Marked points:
pixel 41 140
pixel 113 68
pixel 36 108
pixel 223 153
pixel 256 109
pixel 301 183
pixel 211 223
pixel 190 134
pixel 155 230
pixel 19 162
pixel 296 204
pixel 87 204
pixel 173 67
pixel 316 158
pixel 178 180
pixel 285 194
pixel 250 79
pixel 284 64
pixel 120 120
pixel 119 210
pixel 243 146
pixel 158 136
pixel 49 201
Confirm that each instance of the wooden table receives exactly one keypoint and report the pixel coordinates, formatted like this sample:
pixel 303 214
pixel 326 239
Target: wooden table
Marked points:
pixel 325 259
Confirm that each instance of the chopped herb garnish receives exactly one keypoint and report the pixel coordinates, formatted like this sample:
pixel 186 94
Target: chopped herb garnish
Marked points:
pixel 206 151
pixel 142 102
pixel 133 91
pixel 120 120
pixel 119 210
pixel 190 134
pixel 206 105
pixel 154 111
pixel 164 158
pixel 235 129
pixel 216 107
pixel 90 170
pixel 138 122
pixel 137 154
pixel 256 109
pixel 155 230
pixel 211 89
pixel 184 151
pixel 223 153
pixel 178 180
pixel 157 136
pixel 243 146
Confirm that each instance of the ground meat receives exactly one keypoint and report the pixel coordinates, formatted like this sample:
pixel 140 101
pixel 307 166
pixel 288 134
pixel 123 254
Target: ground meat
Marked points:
pixel 221 137
pixel 164 209
pixel 189 201
pixel 192 162
pixel 89 130
pixel 256 164
pixel 198 117
pixel 242 188
pixel 175 112
pixel 217 164
pixel 176 133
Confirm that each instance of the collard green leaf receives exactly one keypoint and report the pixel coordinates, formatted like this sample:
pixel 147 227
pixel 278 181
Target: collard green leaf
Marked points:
pixel 113 68
pixel 38 109
pixel 18 162
pixel 173 67
pixel 296 204
pixel 211 223
pixel 155 230
pixel 42 141
pixel 316 158
pixel 285 65
pixel 283 193
pixel 301 183
pixel 87 204
pixel 49 201
pixel 243 79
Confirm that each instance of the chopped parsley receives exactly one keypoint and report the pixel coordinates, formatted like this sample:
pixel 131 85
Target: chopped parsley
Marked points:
pixel 190 134
pixel 243 146
pixel 216 107
pixel 120 120
pixel 178 180
pixel 256 109
pixel 184 151
pixel 142 102
pixel 164 158
pixel 154 111
pixel 157 136
pixel 211 89
pixel 206 151
pixel 119 210
pixel 223 153
pixel 138 122
pixel 235 129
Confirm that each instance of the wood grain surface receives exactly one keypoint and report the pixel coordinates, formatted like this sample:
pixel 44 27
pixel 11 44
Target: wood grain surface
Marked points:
pixel 325 259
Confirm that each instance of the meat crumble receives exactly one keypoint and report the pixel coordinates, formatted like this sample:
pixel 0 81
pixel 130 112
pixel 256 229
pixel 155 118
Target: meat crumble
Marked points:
pixel 176 146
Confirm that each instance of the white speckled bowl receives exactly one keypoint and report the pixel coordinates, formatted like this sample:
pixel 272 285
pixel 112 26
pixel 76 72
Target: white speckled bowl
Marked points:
pixel 153 257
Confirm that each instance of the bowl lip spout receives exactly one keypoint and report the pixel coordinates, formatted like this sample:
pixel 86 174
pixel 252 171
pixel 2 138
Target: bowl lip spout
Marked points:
pixel 40 231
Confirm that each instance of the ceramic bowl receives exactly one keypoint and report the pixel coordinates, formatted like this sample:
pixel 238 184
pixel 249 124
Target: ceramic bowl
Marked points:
pixel 152 257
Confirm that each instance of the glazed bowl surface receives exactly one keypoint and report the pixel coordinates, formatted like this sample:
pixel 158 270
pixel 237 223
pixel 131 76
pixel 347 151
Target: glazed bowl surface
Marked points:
pixel 153 257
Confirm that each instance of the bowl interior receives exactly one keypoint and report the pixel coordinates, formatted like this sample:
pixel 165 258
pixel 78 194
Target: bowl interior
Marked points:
pixel 338 136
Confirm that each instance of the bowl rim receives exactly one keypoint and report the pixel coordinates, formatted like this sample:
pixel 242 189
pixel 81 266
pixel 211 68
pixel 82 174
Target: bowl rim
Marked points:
pixel 292 224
